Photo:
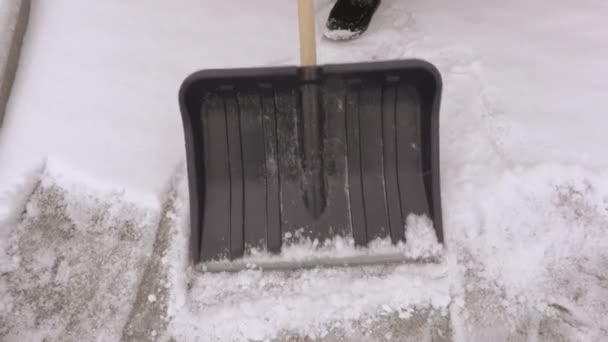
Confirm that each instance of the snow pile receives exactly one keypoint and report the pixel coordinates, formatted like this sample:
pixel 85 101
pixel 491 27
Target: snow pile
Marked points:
pixel 340 34
pixel 421 245
pixel 535 247
pixel 421 239
pixel 77 257
pixel 256 305
pixel 531 220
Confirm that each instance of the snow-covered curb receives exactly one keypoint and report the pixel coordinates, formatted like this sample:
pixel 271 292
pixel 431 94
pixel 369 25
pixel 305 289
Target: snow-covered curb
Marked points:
pixel 14 16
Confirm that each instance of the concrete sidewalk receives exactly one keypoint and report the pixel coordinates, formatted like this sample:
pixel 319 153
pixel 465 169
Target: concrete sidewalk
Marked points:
pixel 14 15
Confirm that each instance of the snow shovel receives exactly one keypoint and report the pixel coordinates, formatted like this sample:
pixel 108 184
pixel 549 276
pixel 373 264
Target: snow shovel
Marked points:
pixel 298 158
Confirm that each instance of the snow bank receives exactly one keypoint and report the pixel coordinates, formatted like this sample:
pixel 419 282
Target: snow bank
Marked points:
pixel 257 305
pixel 534 247
pixel 530 220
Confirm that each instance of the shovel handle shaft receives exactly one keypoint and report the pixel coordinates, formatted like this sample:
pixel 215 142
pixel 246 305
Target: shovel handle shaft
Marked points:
pixel 306 19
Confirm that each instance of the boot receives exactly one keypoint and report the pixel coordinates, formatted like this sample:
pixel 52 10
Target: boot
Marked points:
pixel 349 19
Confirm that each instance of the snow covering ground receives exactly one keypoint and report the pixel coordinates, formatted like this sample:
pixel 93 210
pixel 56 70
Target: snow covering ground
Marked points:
pixel 93 196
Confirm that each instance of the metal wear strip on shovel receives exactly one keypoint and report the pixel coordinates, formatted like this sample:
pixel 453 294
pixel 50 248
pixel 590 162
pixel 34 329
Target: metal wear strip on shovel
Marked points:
pixel 335 150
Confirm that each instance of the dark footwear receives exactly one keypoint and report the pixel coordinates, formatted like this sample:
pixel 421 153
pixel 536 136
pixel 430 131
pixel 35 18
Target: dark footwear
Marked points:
pixel 348 19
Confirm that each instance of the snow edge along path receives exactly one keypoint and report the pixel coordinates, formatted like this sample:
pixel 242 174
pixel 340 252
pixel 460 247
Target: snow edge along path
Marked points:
pixel 74 257
pixel 15 196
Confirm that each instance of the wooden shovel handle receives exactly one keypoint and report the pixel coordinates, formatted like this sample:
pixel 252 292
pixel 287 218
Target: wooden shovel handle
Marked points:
pixel 306 19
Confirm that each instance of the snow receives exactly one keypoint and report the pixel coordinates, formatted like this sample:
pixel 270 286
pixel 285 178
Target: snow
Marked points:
pixel 94 200
pixel 258 305
pixel 298 251
pixel 544 248
pixel 548 213
pixel 340 34
pixel 76 258
pixel 309 303
pixel 112 83
pixel 151 298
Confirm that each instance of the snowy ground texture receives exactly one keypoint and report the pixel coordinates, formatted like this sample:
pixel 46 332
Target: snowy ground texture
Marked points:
pixel 93 195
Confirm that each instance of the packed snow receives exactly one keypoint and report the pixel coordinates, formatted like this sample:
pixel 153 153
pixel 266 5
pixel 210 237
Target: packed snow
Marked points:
pixel 338 35
pixel 298 251
pixel 94 199
pixel 74 260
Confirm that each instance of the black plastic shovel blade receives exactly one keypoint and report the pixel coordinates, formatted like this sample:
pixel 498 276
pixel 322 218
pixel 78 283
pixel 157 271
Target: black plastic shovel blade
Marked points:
pixel 347 150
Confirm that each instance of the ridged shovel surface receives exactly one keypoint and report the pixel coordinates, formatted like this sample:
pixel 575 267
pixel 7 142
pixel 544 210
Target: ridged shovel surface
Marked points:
pixel 347 150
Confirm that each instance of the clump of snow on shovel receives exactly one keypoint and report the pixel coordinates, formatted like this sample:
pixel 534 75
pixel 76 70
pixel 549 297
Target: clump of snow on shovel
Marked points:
pixel 421 240
pixel 339 35
pixel 297 249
